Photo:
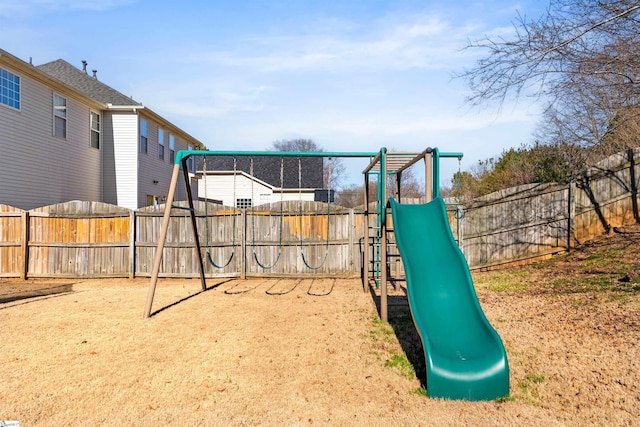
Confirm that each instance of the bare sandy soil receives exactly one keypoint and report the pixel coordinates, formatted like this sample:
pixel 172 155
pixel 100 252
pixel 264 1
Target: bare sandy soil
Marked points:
pixel 312 352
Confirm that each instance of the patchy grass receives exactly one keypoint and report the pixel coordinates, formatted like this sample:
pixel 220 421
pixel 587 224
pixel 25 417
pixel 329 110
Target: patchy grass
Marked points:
pixel 390 341
pixel 421 391
pixel 603 266
pixel 400 362
pixel 529 387
pixel 380 331
pixel 511 280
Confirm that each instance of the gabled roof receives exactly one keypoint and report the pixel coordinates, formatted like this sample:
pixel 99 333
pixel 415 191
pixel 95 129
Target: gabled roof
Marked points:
pixel 84 83
pixel 92 88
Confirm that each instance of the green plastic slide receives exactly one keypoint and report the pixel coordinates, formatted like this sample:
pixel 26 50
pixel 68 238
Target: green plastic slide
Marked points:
pixel 464 355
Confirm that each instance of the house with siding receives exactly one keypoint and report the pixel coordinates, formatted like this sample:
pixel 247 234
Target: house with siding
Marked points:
pixel 65 135
pixel 241 190
pixel 244 182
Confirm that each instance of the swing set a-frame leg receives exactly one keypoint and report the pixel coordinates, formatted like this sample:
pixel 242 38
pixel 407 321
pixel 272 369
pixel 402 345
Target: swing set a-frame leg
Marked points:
pixel 157 258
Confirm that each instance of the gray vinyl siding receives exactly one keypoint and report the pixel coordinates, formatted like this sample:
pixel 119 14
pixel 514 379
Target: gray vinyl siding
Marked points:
pixel 151 168
pixel 36 168
pixel 120 159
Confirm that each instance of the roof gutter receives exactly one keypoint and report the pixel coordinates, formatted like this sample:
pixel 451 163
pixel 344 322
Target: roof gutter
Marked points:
pixel 133 108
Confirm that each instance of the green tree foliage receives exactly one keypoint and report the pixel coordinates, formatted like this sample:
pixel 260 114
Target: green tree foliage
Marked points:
pixel 517 166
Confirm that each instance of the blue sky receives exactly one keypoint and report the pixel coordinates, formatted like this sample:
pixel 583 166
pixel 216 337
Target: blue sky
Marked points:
pixel 350 75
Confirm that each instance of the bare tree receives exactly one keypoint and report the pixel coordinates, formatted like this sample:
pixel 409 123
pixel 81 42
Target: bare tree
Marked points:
pixel 303 145
pixel 333 168
pixel 351 195
pixel 410 185
pixel 582 57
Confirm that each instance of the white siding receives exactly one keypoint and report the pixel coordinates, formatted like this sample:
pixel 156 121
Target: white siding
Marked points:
pixel 37 169
pixel 120 159
pixel 306 195
pixel 221 187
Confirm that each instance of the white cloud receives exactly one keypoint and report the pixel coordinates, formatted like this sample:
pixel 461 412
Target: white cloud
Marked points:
pixel 200 98
pixel 423 42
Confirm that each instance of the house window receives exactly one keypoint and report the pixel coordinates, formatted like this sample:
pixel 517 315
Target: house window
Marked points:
pixel 9 89
pixel 144 136
pixel 95 130
pixel 172 148
pixel 59 116
pixel 265 198
pixel 153 200
pixel 243 203
pixel 160 143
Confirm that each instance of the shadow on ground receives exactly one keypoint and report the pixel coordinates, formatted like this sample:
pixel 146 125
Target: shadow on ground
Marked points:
pixel 399 317
pixel 17 291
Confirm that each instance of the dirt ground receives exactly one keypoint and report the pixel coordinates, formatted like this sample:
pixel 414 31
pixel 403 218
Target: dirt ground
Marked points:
pixel 313 352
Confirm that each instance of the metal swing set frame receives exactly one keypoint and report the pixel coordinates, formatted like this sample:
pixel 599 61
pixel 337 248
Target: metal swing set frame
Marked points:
pixel 381 164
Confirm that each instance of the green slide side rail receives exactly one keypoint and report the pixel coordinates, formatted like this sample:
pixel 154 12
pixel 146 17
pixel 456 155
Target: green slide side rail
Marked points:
pixel 464 355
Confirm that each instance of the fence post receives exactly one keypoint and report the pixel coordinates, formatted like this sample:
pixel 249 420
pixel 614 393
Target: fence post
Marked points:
pixel 633 184
pixel 132 244
pixel 243 244
pixel 571 214
pixel 352 251
pixel 24 245
pixel 459 215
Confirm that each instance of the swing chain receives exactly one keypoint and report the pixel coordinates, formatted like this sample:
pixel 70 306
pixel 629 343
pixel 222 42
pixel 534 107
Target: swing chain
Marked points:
pixel 253 225
pixel 206 204
pixel 206 218
pixel 326 252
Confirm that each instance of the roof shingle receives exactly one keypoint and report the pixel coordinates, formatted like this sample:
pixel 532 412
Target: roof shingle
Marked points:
pixel 82 82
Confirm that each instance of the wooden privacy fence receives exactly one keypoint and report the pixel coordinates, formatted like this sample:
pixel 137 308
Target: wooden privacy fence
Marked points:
pixel 74 239
pixel 532 222
pixel 92 239
pixel 264 241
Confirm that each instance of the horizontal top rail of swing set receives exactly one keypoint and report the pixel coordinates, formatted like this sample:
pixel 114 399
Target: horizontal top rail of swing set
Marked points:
pixel 396 162
pixel 183 154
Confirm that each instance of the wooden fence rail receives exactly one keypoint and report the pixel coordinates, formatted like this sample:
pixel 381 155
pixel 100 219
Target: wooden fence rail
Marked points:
pixel 535 221
pixel 91 239
pixel 517 225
